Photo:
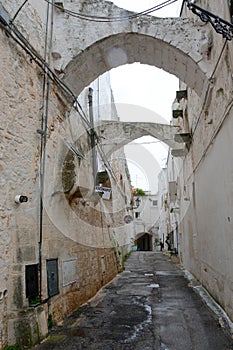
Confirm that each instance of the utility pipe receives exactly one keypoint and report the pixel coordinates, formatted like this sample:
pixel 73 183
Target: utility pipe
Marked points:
pixel 92 136
pixel 44 127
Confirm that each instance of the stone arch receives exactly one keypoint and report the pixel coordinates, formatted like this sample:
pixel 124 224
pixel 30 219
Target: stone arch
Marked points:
pixel 116 134
pixel 126 48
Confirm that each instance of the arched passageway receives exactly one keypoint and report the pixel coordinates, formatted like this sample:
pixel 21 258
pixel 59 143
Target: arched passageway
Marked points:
pixel 116 134
pixel 144 241
pixel 180 46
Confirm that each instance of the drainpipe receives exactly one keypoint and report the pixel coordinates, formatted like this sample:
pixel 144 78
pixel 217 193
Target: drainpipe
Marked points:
pixel 92 135
pixel 43 132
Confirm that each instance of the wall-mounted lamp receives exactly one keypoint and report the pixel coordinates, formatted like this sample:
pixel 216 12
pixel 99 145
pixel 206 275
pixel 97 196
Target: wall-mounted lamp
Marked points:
pixel 137 202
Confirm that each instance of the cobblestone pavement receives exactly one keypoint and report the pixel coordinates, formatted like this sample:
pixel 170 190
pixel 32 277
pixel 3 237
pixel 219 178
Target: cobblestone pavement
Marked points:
pixel 147 307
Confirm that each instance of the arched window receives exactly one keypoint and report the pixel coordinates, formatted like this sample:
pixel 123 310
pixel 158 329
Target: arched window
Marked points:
pixel 230 2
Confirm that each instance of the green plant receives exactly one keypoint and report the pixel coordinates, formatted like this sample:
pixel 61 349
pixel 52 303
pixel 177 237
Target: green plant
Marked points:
pixel 125 257
pixel 50 321
pixel 34 301
pixel 11 347
pixel 140 192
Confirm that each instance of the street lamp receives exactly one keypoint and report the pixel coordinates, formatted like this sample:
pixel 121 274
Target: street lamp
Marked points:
pixel 137 201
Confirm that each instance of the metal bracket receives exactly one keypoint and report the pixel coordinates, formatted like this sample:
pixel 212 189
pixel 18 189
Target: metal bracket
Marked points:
pixel 220 25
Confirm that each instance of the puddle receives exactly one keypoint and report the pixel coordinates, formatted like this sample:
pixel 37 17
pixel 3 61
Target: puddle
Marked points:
pixel 169 273
pixel 153 285
pixel 139 327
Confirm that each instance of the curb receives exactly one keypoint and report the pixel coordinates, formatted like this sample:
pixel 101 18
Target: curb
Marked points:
pixel 223 318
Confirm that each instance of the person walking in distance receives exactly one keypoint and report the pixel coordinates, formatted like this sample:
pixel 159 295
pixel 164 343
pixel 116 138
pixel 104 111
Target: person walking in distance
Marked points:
pixel 161 245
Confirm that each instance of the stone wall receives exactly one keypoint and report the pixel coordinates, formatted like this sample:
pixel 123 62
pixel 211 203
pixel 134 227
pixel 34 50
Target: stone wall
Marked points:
pixel 21 82
pixel 80 230
pixel 77 231
pixel 205 175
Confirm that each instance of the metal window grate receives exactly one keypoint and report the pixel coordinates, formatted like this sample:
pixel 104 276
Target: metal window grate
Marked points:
pixel 52 277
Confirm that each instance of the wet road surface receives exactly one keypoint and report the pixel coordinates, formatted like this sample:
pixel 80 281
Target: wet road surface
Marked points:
pixel 147 307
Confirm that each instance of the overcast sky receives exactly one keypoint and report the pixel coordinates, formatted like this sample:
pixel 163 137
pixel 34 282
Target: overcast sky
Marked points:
pixel 172 10
pixel 153 90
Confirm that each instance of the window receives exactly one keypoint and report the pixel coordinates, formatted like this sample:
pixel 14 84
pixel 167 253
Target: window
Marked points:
pixel 230 2
pixel 155 203
pixel 137 214
pixel 31 278
pixel 52 277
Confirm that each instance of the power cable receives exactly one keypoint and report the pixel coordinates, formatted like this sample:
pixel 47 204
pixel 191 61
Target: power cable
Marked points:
pixel 13 32
pixel 110 169
pixel 104 19
pixel 142 143
pixel 208 88
pixel 18 11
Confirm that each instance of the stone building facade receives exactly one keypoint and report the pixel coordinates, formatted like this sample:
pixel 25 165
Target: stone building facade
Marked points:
pixel 201 207
pixel 68 238
pixel 146 221
pixel 72 239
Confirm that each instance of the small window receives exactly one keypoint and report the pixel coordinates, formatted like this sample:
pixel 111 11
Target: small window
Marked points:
pixel 31 278
pixel 52 277
pixel 137 214
pixel 155 203
pixel 230 2
pixel 103 267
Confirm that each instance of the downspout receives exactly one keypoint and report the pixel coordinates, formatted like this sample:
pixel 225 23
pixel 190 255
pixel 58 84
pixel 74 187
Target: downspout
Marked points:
pixel 92 135
pixel 43 132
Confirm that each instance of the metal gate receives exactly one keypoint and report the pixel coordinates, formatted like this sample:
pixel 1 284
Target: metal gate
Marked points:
pixel 52 277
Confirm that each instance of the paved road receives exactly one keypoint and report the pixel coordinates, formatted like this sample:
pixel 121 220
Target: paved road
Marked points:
pixel 148 307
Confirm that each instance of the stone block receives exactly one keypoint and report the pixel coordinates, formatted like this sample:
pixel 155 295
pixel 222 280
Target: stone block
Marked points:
pixel 27 254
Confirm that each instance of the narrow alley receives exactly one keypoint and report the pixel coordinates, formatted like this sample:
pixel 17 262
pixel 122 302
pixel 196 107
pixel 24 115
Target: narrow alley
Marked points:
pixel 150 306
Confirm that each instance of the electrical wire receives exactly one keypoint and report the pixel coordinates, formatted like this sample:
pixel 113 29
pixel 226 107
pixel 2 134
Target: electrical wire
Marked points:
pixel 18 11
pixel 13 32
pixel 208 88
pixel 104 19
pixel 23 43
pixel 143 143
pixel 110 169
